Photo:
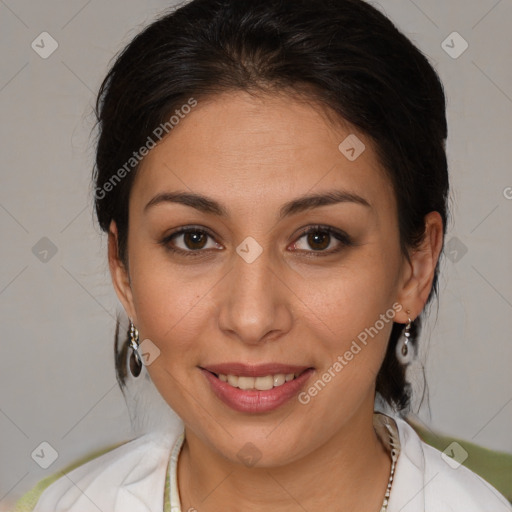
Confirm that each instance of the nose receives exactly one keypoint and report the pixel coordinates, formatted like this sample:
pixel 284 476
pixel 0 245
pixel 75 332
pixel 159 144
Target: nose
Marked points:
pixel 255 303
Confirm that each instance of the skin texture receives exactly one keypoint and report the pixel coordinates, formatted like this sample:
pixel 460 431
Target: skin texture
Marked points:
pixel 253 154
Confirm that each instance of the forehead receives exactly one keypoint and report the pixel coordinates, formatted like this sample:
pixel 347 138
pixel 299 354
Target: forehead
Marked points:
pixel 249 150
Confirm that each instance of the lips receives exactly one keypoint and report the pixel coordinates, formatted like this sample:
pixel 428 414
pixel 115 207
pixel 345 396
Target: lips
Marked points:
pixel 244 388
pixel 261 370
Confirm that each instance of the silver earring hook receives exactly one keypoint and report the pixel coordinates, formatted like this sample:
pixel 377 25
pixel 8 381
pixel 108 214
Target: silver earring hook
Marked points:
pixel 403 348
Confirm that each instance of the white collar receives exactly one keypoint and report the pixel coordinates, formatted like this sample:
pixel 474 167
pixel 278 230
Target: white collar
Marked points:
pixel 132 478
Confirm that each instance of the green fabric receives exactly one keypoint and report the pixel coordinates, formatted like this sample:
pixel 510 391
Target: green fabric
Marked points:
pixel 167 492
pixel 29 500
pixel 493 466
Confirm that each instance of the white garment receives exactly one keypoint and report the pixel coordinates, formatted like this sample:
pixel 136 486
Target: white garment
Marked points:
pixel 131 478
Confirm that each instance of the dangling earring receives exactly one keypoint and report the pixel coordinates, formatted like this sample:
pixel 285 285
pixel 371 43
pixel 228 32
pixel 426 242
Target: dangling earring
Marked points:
pixel 404 348
pixel 135 362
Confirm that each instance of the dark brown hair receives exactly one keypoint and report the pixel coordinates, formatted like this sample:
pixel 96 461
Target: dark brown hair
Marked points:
pixel 344 54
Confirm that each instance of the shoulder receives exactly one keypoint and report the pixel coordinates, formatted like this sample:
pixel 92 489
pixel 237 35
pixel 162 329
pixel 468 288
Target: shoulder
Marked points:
pixel 455 484
pixel 427 479
pixel 128 477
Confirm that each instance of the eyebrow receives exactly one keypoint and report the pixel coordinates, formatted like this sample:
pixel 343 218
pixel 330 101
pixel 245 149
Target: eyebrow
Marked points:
pixel 303 203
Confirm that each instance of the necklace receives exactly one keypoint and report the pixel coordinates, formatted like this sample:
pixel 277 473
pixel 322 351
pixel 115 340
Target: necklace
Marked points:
pixel 384 425
pixel 394 448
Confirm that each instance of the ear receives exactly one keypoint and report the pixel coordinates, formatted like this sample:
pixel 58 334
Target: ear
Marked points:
pixel 119 274
pixel 418 272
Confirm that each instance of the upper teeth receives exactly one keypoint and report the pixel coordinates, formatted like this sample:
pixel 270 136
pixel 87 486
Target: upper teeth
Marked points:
pixel 259 383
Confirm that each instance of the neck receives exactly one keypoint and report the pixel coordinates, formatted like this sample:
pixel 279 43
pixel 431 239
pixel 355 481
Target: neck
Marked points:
pixel 350 468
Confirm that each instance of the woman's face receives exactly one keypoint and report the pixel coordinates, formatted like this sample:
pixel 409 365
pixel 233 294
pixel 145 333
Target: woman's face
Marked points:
pixel 248 287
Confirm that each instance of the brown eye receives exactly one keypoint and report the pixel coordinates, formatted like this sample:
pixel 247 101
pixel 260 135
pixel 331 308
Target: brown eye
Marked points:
pixel 194 240
pixel 189 242
pixel 319 238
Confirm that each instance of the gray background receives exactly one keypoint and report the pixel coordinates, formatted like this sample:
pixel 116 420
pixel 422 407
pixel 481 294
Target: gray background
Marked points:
pixel 58 310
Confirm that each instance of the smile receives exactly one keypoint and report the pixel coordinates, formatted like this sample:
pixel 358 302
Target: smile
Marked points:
pixel 256 389
pixel 260 383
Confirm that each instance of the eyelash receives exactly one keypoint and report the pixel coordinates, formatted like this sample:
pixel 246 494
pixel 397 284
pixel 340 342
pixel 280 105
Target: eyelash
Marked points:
pixel 342 237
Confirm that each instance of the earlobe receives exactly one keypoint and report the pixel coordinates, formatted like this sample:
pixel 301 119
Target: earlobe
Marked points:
pixel 119 273
pixel 421 267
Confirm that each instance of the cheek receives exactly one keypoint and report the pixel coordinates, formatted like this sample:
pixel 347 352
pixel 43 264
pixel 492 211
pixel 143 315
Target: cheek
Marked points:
pixel 344 300
pixel 351 341
pixel 350 315
pixel 170 303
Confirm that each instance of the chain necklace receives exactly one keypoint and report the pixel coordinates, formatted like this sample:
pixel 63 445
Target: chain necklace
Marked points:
pixel 394 447
pixel 380 421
